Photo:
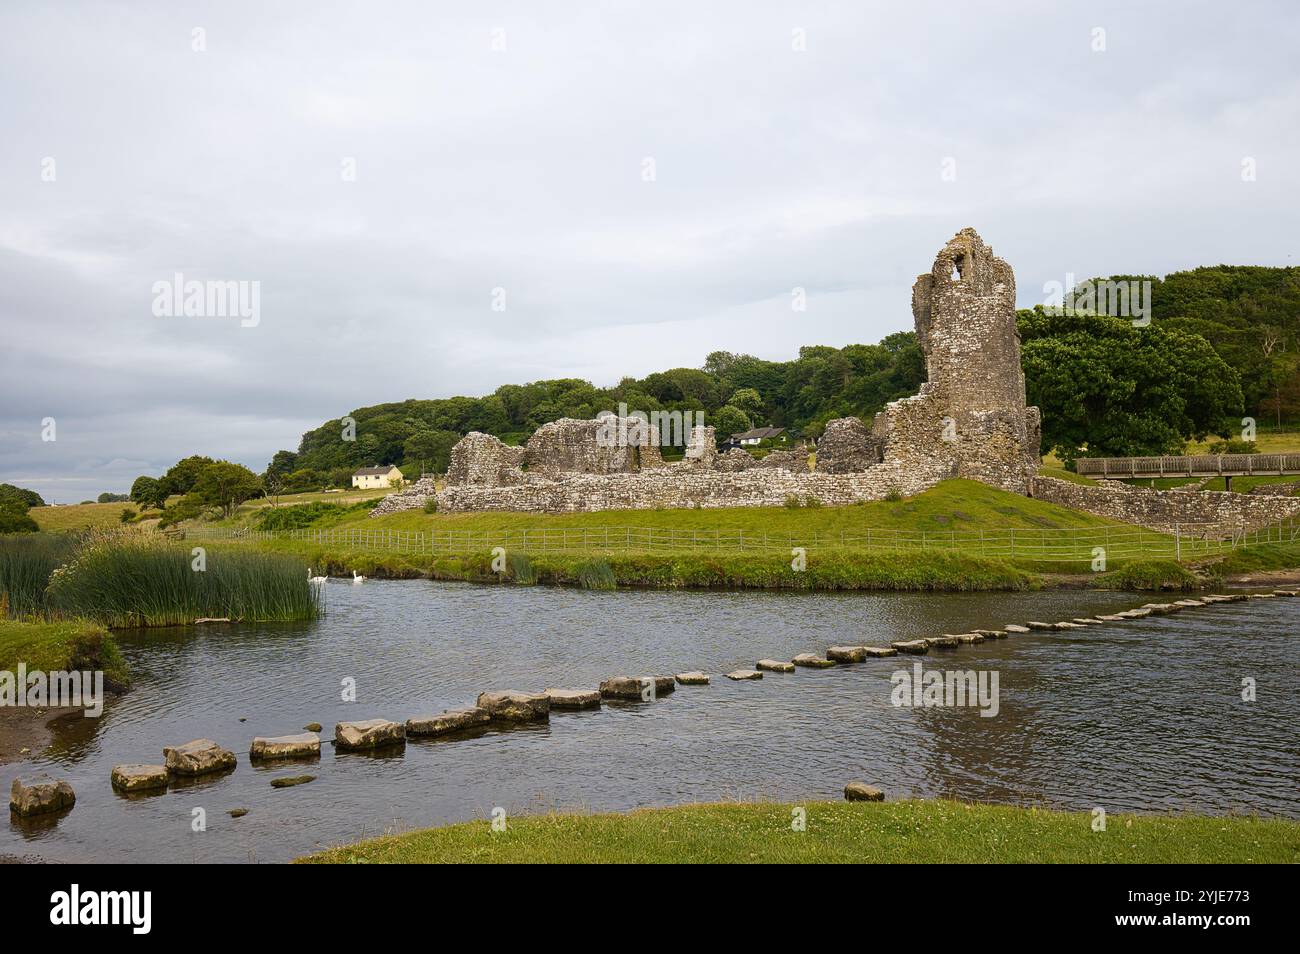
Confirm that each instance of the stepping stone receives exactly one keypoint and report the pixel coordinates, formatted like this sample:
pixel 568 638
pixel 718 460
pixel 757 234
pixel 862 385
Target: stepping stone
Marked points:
pixel 913 647
pixel 879 651
pixel 1257 596
pixel 368 734
pixel 967 639
pixel 514 706
pixel 574 698
pixel 694 678
pixel 664 685
pixel 1286 592
pixel 991 633
pixel 862 792
pixel 1038 624
pixel 200 757
pixel 630 687
pixel 40 796
pixel 847 654
pixel 1189 603
pixel 1162 609
pixel 306 745
pixel 1065 625
pixel 774 665
pixel 453 720
pixel 1111 618
pixel 1133 613
pixel 812 661
pixel 942 642
pixel 138 778
pixel 1015 628
pixel 742 674
pixel 1087 621
pixel 289 781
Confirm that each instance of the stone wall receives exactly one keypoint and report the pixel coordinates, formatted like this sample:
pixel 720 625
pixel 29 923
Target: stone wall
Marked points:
pixel 1216 512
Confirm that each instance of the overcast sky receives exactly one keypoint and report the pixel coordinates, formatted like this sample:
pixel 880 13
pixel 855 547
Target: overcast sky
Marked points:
pixel 524 169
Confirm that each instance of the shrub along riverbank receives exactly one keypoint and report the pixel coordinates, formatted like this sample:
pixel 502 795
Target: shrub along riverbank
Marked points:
pixel 907 831
pixel 836 570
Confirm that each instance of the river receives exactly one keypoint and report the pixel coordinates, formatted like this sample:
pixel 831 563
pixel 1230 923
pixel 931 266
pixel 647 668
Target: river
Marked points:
pixel 1144 716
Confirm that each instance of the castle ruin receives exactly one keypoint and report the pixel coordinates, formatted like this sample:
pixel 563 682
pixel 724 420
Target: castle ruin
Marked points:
pixel 968 420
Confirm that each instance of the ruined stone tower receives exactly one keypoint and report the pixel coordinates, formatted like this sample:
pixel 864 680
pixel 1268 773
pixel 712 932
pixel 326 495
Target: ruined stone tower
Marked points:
pixel 965 312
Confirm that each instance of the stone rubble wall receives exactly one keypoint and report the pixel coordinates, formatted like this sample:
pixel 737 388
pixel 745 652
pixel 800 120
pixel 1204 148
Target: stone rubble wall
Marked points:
pixel 1163 510
pixel 1276 490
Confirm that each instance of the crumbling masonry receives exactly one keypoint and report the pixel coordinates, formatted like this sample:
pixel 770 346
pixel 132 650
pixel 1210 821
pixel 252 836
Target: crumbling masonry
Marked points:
pixel 969 420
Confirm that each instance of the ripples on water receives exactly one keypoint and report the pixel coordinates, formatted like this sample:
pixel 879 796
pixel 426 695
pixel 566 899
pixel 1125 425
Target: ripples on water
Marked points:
pixel 1141 716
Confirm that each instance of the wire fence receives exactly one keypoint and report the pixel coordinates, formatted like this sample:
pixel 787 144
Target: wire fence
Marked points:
pixel 1047 544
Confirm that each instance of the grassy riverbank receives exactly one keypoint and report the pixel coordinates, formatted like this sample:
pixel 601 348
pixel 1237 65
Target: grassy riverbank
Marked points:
pixel 903 832
pixel 62 646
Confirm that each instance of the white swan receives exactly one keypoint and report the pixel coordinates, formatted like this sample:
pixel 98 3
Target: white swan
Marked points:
pixel 315 579
pixel 357 579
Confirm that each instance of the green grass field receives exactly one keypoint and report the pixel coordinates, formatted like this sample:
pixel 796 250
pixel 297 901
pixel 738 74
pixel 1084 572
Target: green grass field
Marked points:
pixel 79 516
pixel 898 832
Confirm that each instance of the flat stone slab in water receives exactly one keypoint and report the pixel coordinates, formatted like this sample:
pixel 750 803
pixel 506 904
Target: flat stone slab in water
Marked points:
pixel 847 654
pixel 1038 624
pixel 774 665
pixel 303 745
pixel 862 792
pixel 878 651
pixel 138 778
pixel 812 661
pixel 991 633
pixel 1133 613
pixel 40 796
pixel 368 734
pixel 1111 618
pixel 292 780
pixel 1067 625
pixel 199 757
pixel 942 642
pixel 970 638
pixel 1162 609
pixel 1188 603
pixel 629 687
pixel 1087 621
pixel 695 678
pixel 574 698
pixel 743 674
pixel 512 705
pixel 1285 593
pixel 453 720
pixel 1258 596
pixel 1015 628
pixel 913 647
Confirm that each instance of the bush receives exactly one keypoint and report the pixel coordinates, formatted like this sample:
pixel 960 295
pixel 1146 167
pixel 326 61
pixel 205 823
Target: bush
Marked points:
pixel 298 516
pixel 596 575
pixel 431 505
pixel 1150 575
pixel 127 515
pixel 893 495
pixel 1234 447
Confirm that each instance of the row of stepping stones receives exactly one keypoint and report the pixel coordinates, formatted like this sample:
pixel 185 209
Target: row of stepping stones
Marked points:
pixel 206 757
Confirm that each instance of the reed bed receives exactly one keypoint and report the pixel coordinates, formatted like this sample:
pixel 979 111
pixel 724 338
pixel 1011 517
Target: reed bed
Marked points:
pixel 137 578
pixel 26 562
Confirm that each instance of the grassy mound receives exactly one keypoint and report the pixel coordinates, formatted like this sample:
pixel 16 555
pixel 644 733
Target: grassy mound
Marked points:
pixel 912 831
pixel 62 646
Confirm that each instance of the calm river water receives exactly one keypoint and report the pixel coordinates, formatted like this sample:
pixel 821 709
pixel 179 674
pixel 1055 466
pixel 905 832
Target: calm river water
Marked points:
pixel 1141 716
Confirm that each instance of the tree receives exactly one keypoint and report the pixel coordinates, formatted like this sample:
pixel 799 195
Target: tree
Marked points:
pixel 25 498
pixel 729 420
pixel 429 450
pixel 183 475
pixel 225 485
pixel 1121 391
pixel 113 498
pixel 748 401
pixel 148 492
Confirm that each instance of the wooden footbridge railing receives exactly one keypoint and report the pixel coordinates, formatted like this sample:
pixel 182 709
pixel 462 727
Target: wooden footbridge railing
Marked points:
pixel 1200 465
